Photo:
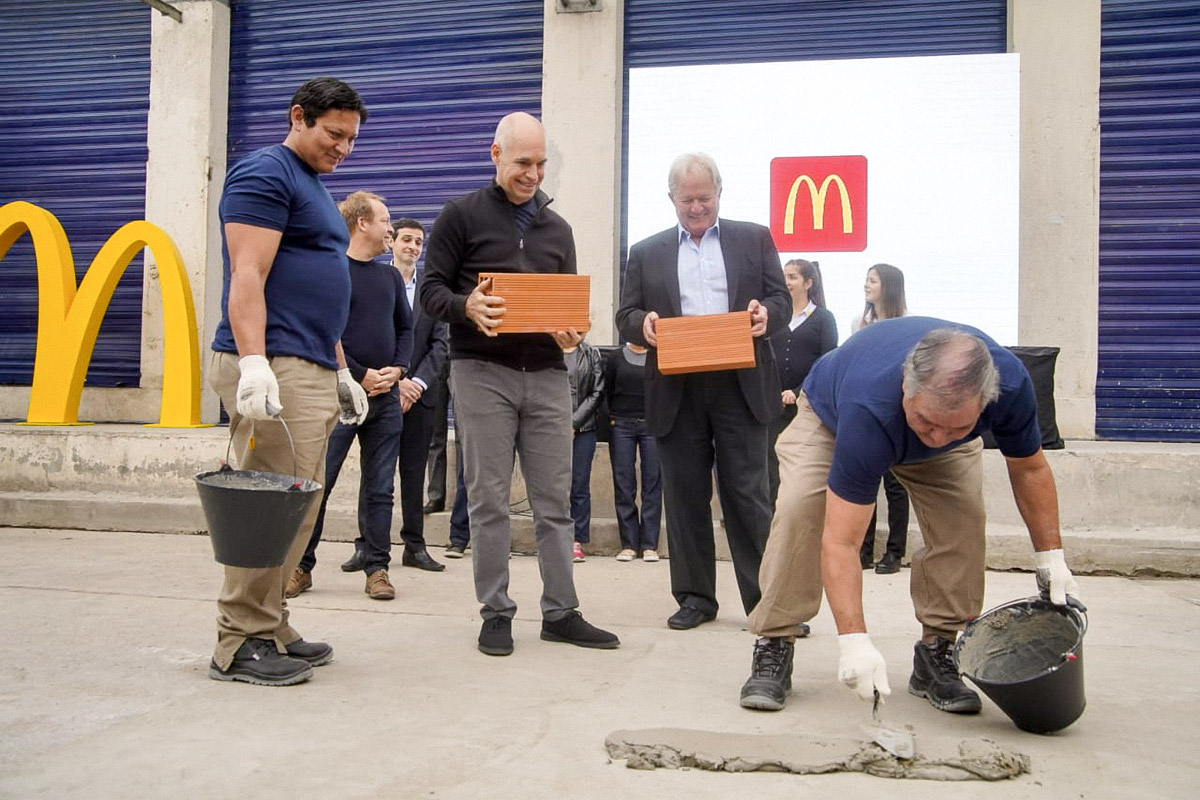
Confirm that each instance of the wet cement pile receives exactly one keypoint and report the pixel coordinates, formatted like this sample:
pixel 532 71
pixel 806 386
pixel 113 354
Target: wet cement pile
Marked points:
pixel 678 748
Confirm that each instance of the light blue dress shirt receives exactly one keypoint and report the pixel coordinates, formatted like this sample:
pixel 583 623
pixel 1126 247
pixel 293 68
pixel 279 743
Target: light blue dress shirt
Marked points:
pixel 703 286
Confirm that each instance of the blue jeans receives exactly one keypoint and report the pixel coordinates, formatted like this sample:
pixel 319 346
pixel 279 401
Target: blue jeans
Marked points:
pixel 583 450
pixel 628 436
pixel 460 522
pixel 379 452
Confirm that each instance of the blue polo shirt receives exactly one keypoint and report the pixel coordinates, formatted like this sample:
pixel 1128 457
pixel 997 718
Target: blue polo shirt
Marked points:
pixel 856 391
pixel 308 288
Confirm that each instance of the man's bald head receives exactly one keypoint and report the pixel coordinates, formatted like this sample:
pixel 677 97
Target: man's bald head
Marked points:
pixel 519 153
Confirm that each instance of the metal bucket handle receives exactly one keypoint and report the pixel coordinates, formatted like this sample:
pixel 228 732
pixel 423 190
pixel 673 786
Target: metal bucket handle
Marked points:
pixel 274 412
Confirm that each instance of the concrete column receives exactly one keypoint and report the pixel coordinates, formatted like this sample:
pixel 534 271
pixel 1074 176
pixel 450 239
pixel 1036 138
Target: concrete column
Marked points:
pixel 1059 43
pixel 581 108
pixel 186 134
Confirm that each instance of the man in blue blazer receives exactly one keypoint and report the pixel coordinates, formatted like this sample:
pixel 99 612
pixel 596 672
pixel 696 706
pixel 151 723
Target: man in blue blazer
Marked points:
pixel 707 265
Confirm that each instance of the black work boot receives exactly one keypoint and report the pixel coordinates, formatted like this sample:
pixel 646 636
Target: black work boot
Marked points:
pixel 257 661
pixel 770 675
pixel 937 680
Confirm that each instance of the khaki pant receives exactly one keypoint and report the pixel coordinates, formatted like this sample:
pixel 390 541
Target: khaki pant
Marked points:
pixel 947 572
pixel 251 602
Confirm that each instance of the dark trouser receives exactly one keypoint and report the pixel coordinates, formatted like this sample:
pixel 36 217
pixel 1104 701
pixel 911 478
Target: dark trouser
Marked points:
pixel 414 449
pixel 775 428
pixel 626 438
pixel 460 521
pixel 379 448
pixel 897 503
pixel 715 424
pixel 583 450
pixel 437 444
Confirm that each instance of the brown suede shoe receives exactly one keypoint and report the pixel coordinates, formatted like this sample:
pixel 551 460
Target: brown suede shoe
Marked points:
pixel 379 587
pixel 300 581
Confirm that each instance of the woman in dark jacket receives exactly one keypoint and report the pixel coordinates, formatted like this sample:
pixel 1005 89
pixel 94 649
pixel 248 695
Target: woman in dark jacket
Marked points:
pixel 587 385
pixel 629 442
pixel 811 333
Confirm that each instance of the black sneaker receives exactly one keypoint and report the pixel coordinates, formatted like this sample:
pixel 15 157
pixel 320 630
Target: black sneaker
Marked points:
pixel 770 675
pixel 937 680
pixel 495 637
pixel 258 662
pixel 317 654
pixel 574 629
pixel 455 551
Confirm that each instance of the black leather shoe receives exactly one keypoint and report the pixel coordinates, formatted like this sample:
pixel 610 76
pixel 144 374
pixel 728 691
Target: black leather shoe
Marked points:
pixel 421 560
pixel 258 662
pixel 687 618
pixel 770 675
pixel 354 563
pixel 574 629
pixel 888 565
pixel 317 654
pixel 434 506
pixel 495 636
pixel 936 679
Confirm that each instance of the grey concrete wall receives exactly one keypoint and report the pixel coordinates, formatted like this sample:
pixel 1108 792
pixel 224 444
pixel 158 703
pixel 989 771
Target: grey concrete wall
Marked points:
pixel 1059 44
pixel 582 68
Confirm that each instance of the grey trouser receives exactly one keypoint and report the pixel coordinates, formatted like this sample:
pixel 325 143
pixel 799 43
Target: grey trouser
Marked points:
pixel 947 572
pixel 497 410
pixel 251 603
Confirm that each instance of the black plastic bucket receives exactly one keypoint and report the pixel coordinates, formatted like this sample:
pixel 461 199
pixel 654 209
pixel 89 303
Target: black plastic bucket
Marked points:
pixel 1027 656
pixel 253 517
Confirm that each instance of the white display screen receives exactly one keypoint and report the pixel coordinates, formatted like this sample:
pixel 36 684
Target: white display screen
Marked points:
pixel 939 140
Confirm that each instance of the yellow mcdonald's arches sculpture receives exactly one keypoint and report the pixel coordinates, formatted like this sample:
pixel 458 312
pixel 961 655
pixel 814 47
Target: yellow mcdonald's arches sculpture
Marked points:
pixel 818 203
pixel 69 318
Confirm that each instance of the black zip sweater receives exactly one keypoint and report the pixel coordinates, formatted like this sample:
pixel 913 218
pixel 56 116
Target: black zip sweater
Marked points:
pixel 478 233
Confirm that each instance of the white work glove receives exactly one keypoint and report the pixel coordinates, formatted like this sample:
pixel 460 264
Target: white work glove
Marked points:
pixel 258 390
pixel 861 667
pixel 1053 576
pixel 352 399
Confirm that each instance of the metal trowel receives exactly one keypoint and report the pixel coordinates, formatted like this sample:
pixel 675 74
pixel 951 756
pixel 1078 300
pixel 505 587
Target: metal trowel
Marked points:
pixel 896 741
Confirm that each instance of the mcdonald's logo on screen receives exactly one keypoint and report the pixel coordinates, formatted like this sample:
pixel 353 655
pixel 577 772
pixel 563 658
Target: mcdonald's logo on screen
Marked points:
pixel 819 204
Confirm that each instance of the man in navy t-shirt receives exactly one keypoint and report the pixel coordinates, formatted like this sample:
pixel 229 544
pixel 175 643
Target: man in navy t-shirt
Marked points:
pixel 911 395
pixel 276 353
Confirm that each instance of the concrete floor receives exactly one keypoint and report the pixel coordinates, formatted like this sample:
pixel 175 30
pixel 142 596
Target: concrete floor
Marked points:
pixel 107 636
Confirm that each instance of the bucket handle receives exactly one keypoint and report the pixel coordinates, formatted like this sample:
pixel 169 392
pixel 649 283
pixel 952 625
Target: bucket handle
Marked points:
pixel 1074 608
pixel 291 443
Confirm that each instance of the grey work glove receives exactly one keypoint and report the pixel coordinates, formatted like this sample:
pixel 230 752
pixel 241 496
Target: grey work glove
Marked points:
pixel 352 399
pixel 257 390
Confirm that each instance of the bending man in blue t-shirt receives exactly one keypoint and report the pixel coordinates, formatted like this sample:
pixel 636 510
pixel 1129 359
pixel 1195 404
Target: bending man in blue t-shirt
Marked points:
pixel 911 395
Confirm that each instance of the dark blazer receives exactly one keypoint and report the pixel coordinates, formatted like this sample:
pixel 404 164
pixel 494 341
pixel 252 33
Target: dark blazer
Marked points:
pixel 431 345
pixel 753 272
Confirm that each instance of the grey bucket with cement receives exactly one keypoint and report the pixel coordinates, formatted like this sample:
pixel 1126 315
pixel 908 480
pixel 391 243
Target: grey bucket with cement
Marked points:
pixel 1027 656
pixel 253 517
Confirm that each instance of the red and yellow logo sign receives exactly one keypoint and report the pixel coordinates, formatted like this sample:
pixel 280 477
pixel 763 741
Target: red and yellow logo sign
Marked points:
pixel 819 204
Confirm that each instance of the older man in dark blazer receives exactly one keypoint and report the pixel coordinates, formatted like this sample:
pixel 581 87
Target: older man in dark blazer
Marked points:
pixel 706 265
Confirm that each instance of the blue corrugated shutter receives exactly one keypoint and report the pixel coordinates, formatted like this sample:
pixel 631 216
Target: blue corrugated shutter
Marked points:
pixel 436 78
pixel 663 33
pixel 673 32
pixel 1148 386
pixel 76 95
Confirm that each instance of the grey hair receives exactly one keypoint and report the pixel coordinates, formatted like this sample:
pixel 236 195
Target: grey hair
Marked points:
pixel 690 162
pixel 954 366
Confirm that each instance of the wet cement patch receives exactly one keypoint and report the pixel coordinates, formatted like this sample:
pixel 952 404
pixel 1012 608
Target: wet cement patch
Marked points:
pixel 679 748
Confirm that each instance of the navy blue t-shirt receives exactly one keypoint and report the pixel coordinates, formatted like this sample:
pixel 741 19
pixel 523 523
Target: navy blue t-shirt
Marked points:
pixel 308 288
pixel 856 391
pixel 379 332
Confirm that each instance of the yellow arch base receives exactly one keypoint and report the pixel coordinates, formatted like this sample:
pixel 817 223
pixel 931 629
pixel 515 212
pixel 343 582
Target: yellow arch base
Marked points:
pixel 69 319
